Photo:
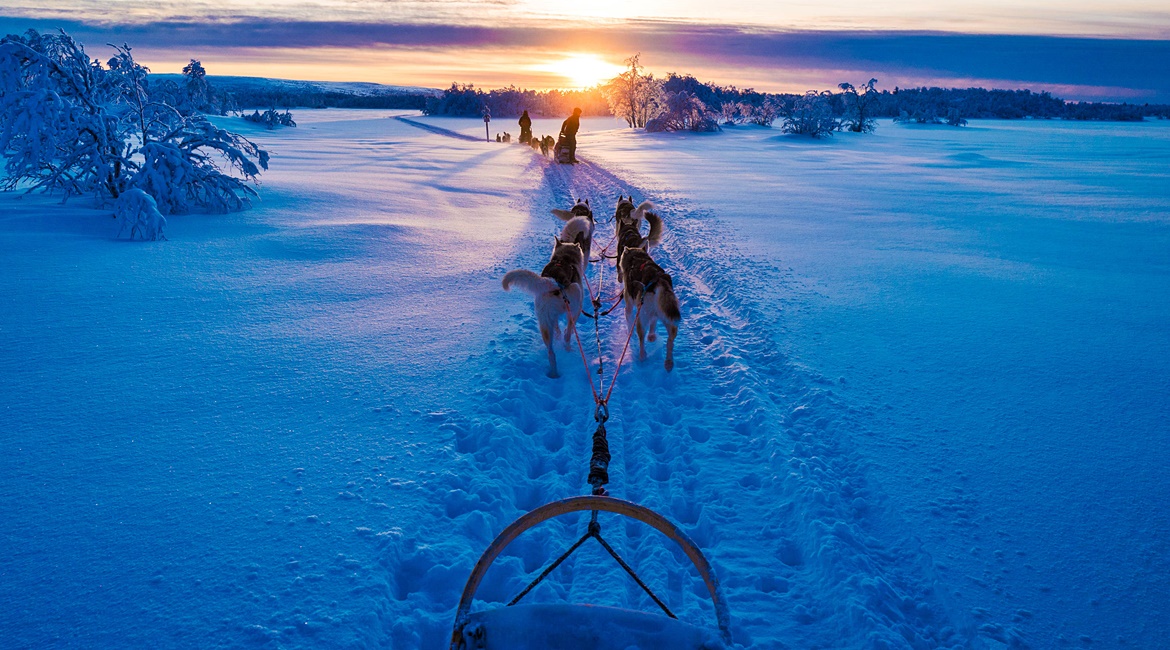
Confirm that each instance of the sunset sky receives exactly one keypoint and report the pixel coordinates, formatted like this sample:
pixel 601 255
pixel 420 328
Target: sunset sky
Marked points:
pixel 1076 49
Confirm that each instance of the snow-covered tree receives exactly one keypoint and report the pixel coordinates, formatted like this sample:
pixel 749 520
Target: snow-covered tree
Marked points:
pixel 859 106
pixel 732 113
pixel 58 131
pixel 69 124
pixel 271 118
pixel 682 111
pixel 633 96
pixel 764 114
pixel 811 115
pixel 195 85
pixel 931 115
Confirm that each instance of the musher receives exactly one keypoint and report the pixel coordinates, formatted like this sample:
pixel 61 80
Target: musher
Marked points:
pixel 525 128
pixel 569 133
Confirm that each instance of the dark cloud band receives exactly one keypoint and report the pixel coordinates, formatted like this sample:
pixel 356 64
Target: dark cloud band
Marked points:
pixel 1136 65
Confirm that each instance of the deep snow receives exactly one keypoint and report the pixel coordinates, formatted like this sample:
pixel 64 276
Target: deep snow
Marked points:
pixel 993 305
pixel 921 388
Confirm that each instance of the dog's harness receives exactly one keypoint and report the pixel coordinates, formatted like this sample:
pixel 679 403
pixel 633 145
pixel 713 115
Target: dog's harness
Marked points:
pixel 647 287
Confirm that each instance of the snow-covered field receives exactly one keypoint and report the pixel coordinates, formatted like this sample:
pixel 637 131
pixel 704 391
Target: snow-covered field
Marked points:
pixel 920 397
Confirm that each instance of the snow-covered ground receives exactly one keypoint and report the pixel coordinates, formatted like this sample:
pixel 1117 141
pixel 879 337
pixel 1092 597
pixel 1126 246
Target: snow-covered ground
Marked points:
pixel 992 306
pixel 920 397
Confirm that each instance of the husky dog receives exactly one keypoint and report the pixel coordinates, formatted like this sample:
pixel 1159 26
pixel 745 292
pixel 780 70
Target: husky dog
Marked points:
pixel 629 227
pixel 579 222
pixel 546 144
pixel 626 212
pixel 580 209
pixel 646 284
pixel 557 290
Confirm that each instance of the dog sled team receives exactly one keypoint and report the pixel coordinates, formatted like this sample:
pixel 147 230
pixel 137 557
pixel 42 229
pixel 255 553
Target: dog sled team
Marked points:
pixel 559 290
pixel 563 149
pixel 545 145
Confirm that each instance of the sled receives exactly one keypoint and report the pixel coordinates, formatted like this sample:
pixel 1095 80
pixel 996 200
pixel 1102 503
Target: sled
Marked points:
pixel 561 152
pixel 545 626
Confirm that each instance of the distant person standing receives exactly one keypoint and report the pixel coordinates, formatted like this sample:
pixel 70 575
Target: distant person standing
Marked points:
pixel 525 128
pixel 569 132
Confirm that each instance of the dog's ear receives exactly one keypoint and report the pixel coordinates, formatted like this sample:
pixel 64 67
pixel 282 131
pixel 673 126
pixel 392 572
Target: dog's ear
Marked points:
pixel 556 242
pixel 586 201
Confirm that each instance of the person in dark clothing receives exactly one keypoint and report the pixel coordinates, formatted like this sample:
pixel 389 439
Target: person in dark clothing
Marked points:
pixel 525 128
pixel 569 132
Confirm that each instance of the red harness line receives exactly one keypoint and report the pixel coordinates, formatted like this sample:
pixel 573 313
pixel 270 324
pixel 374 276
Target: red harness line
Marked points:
pixel 630 335
pixel 588 372
pixel 581 347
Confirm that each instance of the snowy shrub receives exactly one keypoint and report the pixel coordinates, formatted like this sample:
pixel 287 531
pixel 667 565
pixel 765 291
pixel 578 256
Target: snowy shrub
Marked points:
pixel 729 113
pixel 271 119
pixel 811 115
pixel 930 115
pixel 139 214
pixel 859 106
pixel 70 124
pixel 683 111
pixel 762 115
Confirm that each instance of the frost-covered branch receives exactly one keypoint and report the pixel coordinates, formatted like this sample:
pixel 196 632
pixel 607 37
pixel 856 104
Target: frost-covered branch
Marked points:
pixel 69 124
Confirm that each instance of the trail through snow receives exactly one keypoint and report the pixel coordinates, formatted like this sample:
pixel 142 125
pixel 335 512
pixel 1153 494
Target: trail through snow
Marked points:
pixel 736 445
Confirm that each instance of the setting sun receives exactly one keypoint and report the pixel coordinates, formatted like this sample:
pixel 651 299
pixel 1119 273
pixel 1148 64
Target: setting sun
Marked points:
pixel 582 70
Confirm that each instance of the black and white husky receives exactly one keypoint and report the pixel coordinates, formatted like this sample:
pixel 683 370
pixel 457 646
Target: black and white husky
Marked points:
pixel 646 284
pixel 628 222
pixel 579 223
pixel 557 290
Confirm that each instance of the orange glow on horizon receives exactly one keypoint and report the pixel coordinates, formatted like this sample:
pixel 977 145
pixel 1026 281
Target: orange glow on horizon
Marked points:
pixel 486 68
pixel 581 70
pixel 497 67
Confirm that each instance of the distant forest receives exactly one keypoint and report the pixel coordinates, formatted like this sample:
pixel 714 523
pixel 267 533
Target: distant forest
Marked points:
pixel 468 101
pixel 310 98
pixel 465 100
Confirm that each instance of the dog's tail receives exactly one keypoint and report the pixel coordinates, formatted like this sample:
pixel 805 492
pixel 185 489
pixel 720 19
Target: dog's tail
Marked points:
pixel 667 301
pixel 563 215
pixel 642 209
pixel 656 228
pixel 529 282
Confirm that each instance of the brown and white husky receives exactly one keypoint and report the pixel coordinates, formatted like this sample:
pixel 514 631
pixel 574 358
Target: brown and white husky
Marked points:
pixel 579 223
pixel 628 222
pixel 557 291
pixel 646 284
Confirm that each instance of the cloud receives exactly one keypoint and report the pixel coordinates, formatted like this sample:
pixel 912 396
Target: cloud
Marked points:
pixel 1080 67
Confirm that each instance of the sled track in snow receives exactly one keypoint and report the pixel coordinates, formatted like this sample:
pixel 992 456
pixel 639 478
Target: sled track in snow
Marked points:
pixel 437 129
pixel 748 453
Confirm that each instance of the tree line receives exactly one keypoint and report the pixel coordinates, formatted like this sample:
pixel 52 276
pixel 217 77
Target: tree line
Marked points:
pixel 682 102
